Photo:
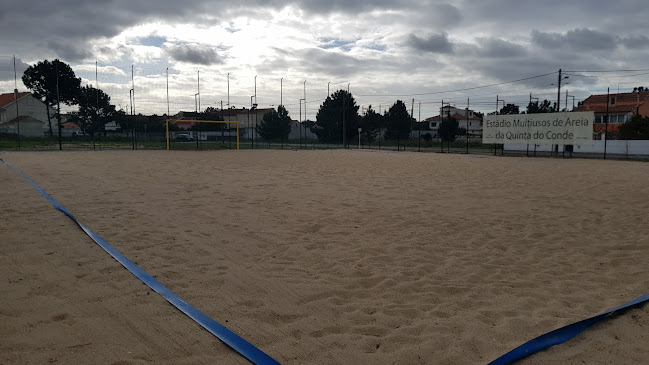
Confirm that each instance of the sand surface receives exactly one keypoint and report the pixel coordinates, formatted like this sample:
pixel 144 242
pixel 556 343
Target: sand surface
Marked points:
pixel 322 257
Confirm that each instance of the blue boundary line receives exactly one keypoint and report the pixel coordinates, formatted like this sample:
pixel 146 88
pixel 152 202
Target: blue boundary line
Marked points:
pixel 231 339
pixel 562 334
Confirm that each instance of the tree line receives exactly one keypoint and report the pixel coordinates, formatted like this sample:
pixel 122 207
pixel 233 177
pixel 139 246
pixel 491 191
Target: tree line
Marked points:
pixel 338 121
pixel 55 83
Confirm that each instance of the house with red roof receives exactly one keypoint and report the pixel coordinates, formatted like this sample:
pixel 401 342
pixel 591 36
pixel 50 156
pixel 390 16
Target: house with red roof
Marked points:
pixel 28 106
pixel 619 108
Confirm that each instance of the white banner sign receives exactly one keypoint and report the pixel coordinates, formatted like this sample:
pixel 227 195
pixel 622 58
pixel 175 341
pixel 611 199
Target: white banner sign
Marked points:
pixel 545 128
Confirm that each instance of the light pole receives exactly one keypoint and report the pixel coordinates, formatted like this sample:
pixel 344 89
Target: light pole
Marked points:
pixel 250 134
pixel 255 105
pixel 130 100
pixel 573 101
pixel 344 125
pixel 281 91
pixel 300 127
pixel 467 124
pixel 305 117
pixel 167 92
pixel 531 97
pixel 199 90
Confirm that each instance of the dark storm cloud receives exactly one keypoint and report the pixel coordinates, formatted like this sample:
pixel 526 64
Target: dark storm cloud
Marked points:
pixel 7 68
pixel 434 43
pixel 195 54
pixel 636 41
pixel 499 48
pixel 582 39
pixel 68 51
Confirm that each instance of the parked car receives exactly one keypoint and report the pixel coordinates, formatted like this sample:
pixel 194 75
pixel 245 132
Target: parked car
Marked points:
pixel 184 137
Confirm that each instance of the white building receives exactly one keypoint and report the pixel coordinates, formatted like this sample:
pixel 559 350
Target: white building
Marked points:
pixel 26 125
pixel 29 106
pixel 466 119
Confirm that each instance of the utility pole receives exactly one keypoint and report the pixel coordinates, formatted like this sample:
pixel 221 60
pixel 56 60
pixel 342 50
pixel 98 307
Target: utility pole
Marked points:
pixel 559 93
pixel 167 92
pixel 606 126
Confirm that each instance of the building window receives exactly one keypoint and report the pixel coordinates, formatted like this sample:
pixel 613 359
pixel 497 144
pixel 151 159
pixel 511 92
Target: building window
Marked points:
pixel 598 119
pixel 433 124
pixel 613 100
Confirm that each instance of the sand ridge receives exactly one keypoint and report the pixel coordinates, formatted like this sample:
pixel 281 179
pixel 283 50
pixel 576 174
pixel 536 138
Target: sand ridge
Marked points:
pixel 326 257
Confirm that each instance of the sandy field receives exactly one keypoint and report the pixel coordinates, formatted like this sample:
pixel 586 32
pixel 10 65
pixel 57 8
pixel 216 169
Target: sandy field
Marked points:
pixel 322 257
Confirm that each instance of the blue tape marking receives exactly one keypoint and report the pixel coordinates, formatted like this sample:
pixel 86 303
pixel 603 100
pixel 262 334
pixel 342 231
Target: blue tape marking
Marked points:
pixel 561 335
pixel 222 333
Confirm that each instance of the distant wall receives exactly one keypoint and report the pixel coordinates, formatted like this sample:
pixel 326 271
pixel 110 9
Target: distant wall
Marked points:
pixel 622 147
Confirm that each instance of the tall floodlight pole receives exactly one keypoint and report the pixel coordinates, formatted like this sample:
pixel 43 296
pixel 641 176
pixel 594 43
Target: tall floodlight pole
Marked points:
pixel 229 97
pixel 305 117
pixel 255 130
pixel 199 91
pixel 300 120
pixel 281 91
pixel 559 92
pixel 344 124
pixel 328 88
pixel 419 125
pixel 467 126
pixel 249 125
pixel 167 92
pixel 16 100
pixel 58 106
pixel 130 100
pixel 133 108
pixel 97 101
pixel 608 101
pixel 344 119
pixel 441 120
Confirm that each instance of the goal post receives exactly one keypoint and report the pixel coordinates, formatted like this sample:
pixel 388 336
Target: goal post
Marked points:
pixel 168 134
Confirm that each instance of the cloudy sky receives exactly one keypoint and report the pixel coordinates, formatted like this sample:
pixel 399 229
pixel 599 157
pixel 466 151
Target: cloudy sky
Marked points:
pixel 384 50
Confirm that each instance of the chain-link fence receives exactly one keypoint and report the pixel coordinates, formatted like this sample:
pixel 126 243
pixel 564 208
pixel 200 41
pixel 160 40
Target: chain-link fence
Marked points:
pixel 144 98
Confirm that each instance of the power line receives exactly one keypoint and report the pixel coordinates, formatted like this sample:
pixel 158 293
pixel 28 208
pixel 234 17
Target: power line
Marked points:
pixel 465 89
pixel 596 71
